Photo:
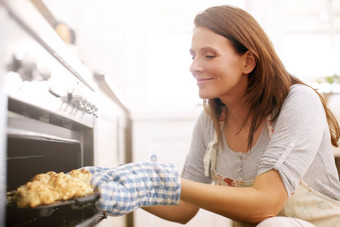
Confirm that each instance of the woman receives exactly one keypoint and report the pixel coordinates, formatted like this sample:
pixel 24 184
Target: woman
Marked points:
pixel 264 139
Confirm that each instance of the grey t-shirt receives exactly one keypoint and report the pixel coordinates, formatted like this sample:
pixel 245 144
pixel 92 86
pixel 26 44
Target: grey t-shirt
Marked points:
pixel 300 148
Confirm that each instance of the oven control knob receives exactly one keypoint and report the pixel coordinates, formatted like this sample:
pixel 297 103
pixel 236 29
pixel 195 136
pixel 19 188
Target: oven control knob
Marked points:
pixel 82 106
pixel 95 109
pixel 95 114
pixel 64 98
pixel 86 105
pixel 75 101
pixel 91 108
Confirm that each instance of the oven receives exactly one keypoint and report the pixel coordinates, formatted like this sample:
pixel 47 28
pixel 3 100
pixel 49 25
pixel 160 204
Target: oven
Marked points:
pixel 51 114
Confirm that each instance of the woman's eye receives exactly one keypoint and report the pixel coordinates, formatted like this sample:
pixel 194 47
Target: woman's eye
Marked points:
pixel 210 56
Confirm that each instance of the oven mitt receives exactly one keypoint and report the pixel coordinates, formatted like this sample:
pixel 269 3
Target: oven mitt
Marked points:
pixel 128 187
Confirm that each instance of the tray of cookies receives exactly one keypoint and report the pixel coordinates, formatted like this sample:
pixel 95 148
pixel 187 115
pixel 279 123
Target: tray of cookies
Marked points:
pixel 49 191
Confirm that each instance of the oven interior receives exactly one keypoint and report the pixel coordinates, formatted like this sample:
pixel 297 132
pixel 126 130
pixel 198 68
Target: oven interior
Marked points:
pixel 28 157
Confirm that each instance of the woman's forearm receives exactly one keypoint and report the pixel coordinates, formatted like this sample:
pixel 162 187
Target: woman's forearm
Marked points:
pixel 249 204
pixel 182 213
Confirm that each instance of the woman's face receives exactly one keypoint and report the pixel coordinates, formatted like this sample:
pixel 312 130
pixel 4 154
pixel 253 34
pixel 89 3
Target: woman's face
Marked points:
pixel 218 69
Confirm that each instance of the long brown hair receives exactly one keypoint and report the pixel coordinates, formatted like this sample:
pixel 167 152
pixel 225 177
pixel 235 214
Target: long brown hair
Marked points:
pixel 268 83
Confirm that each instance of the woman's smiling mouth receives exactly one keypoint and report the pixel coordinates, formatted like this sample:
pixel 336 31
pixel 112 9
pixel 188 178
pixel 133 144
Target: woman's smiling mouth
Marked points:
pixel 203 80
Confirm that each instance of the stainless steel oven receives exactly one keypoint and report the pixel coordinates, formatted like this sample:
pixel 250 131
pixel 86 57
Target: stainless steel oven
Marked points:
pixel 51 113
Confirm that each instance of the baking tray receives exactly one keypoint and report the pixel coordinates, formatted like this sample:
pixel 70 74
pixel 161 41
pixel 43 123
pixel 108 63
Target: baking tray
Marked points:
pixel 47 210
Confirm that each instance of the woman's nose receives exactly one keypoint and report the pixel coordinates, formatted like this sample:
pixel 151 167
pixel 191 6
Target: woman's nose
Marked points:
pixel 195 66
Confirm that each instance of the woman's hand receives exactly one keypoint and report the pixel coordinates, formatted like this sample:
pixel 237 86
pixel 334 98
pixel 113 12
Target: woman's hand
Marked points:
pixel 128 187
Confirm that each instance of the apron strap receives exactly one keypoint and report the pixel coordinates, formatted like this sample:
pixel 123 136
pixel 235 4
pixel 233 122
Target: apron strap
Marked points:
pixel 210 156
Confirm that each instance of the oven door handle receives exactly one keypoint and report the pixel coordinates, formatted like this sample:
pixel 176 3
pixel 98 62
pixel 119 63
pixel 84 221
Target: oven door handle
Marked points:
pixel 16 133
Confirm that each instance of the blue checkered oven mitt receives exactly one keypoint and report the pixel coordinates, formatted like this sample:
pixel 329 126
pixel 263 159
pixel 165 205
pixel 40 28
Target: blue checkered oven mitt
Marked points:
pixel 128 187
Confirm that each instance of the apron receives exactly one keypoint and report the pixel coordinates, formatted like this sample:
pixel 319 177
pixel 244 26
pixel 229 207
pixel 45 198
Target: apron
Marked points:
pixel 306 203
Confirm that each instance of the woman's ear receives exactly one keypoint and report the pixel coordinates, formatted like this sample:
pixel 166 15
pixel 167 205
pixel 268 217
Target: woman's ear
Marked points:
pixel 250 62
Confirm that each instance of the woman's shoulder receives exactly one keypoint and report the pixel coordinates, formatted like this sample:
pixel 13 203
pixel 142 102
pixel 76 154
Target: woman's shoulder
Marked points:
pixel 301 99
pixel 302 90
pixel 303 93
